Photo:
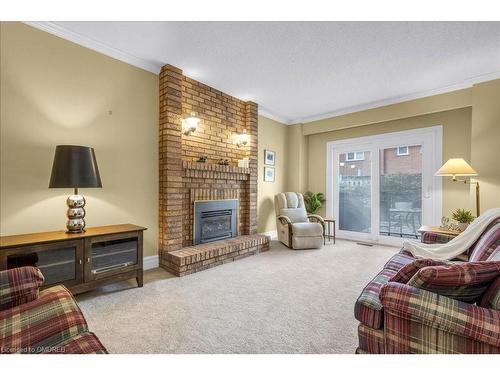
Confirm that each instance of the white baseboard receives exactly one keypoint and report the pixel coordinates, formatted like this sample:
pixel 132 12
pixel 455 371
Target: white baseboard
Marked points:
pixel 150 262
pixel 272 233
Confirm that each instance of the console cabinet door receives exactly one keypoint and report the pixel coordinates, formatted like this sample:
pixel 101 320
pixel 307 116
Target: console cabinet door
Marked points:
pixel 112 254
pixel 59 262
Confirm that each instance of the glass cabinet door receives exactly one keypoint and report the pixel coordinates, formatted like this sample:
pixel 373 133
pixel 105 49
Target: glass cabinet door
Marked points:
pixel 60 263
pixel 108 255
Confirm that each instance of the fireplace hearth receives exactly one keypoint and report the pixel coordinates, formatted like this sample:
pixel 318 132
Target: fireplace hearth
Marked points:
pixel 215 220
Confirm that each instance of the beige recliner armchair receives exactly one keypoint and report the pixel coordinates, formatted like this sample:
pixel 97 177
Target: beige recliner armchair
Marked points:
pixel 296 228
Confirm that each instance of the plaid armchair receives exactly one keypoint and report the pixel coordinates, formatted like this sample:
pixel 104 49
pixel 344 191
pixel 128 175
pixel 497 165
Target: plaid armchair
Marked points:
pixel 34 321
pixel 399 318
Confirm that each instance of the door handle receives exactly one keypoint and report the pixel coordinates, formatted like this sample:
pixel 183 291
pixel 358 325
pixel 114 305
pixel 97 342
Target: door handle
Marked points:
pixel 88 260
pixel 428 192
pixel 80 261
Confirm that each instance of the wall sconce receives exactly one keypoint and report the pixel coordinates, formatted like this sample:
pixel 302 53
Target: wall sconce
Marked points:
pixel 190 124
pixel 242 139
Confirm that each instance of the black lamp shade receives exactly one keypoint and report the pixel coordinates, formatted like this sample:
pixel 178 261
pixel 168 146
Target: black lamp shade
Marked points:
pixel 74 167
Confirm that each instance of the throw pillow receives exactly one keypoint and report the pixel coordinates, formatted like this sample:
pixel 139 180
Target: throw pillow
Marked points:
pixel 406 272
pixel 465 281
pixel 491 298
pixel 19 286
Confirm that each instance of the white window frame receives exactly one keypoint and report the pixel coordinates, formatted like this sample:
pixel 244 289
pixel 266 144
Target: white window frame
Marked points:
pixel 356 158
pixel 403 153
pixel 431 141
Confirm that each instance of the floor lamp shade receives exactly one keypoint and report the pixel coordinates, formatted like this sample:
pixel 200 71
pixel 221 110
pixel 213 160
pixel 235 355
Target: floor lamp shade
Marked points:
pixel 456 167
pixel 459 167
pixel 75 167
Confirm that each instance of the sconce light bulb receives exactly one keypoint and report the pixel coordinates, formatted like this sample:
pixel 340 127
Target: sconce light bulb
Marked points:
pixel 243 139
pixel 191 123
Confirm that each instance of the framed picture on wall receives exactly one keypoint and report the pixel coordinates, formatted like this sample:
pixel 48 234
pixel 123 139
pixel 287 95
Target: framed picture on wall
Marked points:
pixel 268 174
pixel 269 157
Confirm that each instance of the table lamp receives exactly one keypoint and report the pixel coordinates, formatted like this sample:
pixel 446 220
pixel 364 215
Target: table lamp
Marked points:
pixel 75 167
pixel 459 167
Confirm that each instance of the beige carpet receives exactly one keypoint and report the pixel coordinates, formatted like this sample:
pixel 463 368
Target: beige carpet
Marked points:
pixel 280 301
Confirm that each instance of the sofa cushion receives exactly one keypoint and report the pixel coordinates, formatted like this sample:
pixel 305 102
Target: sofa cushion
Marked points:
pixel 85 343
pixel 495 256
pixel 37 326
pixel 465 281
pixel 398 261
pixel 409 270
pixel 491 298
pixel 487 243
pixel 18 286
pixel 370 340
pixel 368 308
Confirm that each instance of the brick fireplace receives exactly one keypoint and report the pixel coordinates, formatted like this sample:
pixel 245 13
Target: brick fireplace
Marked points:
pixel 183 180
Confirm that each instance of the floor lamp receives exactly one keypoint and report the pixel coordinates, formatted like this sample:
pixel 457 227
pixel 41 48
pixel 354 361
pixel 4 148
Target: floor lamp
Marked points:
pixel 459 167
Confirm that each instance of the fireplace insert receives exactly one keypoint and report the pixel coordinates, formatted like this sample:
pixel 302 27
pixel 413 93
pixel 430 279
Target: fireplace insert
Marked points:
pixel 215 220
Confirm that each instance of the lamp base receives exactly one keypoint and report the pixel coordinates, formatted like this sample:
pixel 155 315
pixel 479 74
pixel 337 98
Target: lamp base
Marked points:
pixel 75 213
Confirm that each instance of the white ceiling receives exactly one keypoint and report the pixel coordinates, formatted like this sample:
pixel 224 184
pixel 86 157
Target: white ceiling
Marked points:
pixel 301 71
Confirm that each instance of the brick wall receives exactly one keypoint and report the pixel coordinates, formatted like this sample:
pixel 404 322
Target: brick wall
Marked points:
pixel 181 179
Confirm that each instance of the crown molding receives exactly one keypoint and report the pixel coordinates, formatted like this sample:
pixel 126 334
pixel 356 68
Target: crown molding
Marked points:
pixel 95 45
pixel 149 66
pixel 400 99
pixel 273 116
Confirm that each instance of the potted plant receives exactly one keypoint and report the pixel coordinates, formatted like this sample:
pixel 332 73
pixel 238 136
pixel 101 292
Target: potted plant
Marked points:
pixel 463 217
pixel 313 201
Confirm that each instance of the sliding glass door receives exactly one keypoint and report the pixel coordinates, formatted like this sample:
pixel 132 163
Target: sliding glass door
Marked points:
pixel 400 180
pixel 382 188
pixel 354 191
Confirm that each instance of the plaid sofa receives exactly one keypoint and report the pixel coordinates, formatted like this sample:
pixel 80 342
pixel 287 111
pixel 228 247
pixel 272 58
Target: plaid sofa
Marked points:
pixel 47 321
pixel 400 318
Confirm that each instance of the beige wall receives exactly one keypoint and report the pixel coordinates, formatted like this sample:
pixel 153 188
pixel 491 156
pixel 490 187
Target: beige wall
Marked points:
pixel 56 92
pixel 485 141
pixel 411 108
pixel 297 161
pixel 272 136
pixel 456 143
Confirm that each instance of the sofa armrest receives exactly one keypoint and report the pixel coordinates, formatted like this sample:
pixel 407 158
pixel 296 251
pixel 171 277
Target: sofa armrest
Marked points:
pixel 19 286
pixel 441 312
pixel 316 218
pixel 432 238
pixel 284 219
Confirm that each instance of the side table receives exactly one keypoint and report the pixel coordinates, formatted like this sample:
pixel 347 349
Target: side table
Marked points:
pixel 329 224
pixel 441 235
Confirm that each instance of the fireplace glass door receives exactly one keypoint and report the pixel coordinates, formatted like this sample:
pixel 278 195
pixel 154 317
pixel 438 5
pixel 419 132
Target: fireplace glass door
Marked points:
pixel 215 220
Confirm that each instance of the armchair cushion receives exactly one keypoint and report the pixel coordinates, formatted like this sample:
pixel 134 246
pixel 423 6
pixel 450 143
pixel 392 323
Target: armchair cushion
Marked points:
pixel 296 215
pixel 433 310
pixel 19 286
pixel 307 229
pixel 464 281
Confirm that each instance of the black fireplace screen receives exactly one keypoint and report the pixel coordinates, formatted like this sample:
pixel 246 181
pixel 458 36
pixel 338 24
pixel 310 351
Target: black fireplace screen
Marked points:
pixel 215 220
